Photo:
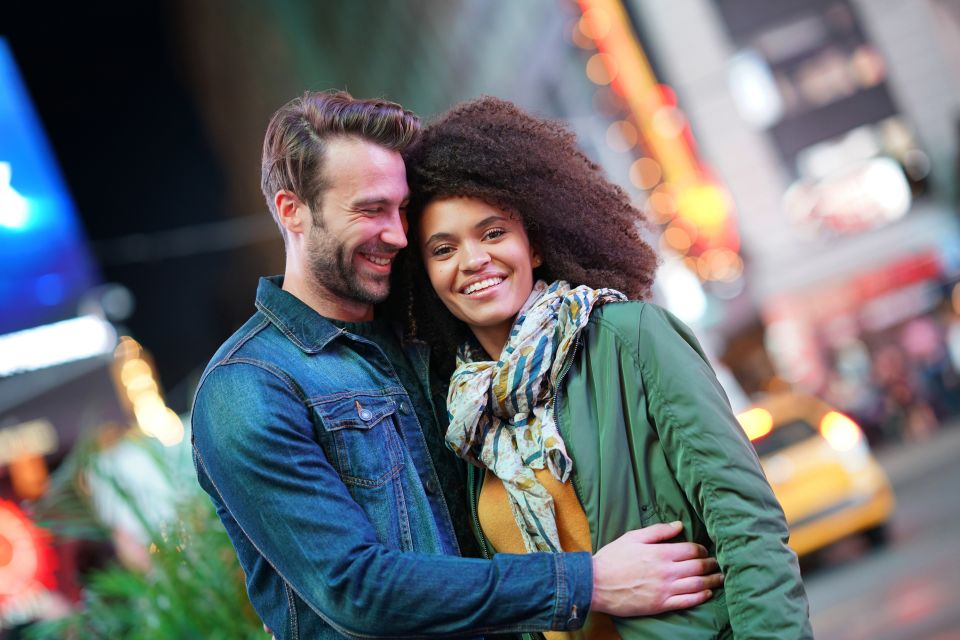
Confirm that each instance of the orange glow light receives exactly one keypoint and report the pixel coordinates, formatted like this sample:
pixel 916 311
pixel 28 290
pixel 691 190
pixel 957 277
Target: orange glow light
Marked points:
pixel 601 68
pixel 841 432
pixel 621 135
pixel 677 239
pixel 705 205
pixel 756 422
pixel 662 205
pixel 595 24
pixel 663 129
pixel 645 173
pixel 579 38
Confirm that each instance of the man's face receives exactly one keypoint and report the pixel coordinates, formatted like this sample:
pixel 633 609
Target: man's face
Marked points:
pixel 360 222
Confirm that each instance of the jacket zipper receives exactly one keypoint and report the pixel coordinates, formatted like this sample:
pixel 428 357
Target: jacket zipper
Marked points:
pixel 556 418
pixel 474 498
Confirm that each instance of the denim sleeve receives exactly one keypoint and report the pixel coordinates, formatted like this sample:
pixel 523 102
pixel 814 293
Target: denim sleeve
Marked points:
pixel 253 440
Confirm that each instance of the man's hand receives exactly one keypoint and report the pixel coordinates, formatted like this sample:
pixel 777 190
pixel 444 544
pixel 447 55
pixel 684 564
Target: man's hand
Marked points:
pixel 639 575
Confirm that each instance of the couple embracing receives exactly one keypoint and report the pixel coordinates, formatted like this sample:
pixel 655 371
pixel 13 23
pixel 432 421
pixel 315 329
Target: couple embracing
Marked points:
pixel 453 414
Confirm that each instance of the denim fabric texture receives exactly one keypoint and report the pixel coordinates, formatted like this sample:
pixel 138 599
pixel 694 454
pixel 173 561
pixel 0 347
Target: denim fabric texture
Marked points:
pixel 303 439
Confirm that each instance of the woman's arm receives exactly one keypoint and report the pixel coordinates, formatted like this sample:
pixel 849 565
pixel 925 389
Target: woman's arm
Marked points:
pixel 718 470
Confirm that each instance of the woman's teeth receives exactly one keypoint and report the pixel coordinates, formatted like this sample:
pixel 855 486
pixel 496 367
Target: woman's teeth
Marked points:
pixel 483 284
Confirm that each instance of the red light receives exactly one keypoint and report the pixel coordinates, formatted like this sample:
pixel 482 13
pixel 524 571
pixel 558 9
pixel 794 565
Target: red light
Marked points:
pixel 26 561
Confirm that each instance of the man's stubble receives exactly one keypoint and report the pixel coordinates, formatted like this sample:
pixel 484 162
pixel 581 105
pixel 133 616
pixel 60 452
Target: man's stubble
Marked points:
pixel 332 268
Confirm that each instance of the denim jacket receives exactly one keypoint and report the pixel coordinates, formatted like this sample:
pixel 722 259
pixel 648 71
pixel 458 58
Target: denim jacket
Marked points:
pixel 298 437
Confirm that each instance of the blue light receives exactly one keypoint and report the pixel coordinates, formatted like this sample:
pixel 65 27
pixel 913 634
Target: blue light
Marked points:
pixel 14 208
pixel 45 265
pixel 50 289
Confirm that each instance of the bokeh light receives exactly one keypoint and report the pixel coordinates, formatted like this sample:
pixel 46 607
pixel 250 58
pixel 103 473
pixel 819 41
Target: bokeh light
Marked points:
pixel 645 173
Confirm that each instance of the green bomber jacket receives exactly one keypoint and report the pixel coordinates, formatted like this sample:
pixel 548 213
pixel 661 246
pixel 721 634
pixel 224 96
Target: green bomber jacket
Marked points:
pixel 653 439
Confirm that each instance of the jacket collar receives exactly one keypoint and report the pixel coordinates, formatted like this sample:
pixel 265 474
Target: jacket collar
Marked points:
pixel 306 328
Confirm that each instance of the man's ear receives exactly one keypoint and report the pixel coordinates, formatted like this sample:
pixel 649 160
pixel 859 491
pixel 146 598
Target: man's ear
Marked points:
pixel 291 211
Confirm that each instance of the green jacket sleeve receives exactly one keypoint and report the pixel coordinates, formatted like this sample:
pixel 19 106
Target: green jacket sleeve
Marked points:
pixel 718 470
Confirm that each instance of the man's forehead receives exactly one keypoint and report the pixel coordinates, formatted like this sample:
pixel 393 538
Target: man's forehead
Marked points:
pixel 366 170
pixel 349 152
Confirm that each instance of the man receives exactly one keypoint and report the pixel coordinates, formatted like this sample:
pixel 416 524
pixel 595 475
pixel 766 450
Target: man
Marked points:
pixel 316 437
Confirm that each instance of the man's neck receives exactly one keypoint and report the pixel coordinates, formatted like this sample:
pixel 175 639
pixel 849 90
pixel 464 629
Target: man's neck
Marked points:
pixel 323 301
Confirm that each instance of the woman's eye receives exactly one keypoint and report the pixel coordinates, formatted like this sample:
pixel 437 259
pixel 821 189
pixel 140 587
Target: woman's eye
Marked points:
pixel 493 234
pixel 442 250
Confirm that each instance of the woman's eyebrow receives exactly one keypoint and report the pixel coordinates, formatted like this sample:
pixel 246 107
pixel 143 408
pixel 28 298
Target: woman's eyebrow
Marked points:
pixel 445 235
pixel 488 220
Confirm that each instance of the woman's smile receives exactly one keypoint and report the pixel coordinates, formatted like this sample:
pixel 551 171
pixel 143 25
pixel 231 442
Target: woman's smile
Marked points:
pixel 480 262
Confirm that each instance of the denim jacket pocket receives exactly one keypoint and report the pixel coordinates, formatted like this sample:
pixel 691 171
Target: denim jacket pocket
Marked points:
pixel 367 447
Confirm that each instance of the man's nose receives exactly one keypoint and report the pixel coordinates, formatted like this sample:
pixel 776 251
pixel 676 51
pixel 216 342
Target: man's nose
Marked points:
pixel 394 232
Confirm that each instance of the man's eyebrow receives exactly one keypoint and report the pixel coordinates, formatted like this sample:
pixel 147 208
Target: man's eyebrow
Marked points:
pixel 377 200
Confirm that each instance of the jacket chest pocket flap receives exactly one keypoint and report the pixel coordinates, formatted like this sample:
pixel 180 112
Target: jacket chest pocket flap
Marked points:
pixel 366 446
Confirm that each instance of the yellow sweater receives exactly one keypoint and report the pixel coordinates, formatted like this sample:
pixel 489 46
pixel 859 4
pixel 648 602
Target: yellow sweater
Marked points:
pixel 500 528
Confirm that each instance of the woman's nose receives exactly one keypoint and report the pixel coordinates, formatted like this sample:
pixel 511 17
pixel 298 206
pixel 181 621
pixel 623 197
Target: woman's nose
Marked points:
pixel 473 257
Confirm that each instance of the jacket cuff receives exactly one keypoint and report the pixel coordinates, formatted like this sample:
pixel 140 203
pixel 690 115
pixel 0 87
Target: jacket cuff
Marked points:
pixel 574 573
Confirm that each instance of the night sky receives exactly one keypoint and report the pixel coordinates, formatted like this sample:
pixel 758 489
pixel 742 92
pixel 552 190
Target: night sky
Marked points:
pixel 105 81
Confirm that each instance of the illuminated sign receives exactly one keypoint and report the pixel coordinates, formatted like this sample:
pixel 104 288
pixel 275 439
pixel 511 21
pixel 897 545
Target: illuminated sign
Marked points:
pixel 45 266
pixel 867 195
pixel 695 209
pixel 26 561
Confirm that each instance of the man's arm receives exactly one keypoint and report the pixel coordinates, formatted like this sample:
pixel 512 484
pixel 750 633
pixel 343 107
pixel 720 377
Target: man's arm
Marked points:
pixel 276 483
pixel 640 575
pixel 274 479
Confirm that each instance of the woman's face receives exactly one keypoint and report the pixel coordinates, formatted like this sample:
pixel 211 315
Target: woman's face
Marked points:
pixel 480 263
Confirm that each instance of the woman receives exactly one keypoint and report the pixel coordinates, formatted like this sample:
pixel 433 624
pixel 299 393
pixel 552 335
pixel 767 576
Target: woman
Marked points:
pixel 588 414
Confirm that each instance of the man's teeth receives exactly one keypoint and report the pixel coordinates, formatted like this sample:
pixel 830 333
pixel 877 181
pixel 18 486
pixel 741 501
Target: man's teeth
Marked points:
pixel 378 260
pixel 483 284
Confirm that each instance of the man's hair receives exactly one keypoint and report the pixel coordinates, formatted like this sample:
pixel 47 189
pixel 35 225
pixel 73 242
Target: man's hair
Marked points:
pixel 297 136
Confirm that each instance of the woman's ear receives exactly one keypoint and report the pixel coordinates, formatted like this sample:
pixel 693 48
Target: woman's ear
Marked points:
pixel 535 259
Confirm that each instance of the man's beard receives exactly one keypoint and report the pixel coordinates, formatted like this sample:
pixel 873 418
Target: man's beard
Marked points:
pixel 332 269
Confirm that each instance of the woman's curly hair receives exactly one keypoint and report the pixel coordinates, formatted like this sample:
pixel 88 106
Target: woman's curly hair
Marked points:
pixel 584 226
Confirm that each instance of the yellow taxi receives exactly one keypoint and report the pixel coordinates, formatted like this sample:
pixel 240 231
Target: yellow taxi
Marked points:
pixel 821 469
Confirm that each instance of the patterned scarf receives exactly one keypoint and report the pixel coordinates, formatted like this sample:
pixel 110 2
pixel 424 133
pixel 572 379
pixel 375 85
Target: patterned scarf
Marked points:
pixel 501 413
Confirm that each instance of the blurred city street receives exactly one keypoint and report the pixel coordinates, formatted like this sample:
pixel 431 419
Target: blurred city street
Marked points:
pixel 794 165
pixel 908 589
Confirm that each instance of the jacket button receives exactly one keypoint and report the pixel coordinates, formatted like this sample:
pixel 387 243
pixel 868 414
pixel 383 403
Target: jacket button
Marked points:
pixel 431 487
pixel 365 415
pixel 403 407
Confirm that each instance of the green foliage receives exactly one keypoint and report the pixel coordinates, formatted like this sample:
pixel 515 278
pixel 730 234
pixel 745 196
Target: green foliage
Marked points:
pixel 193 588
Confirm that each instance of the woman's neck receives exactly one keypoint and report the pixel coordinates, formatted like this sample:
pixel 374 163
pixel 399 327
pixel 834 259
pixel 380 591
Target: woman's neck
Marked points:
pixel 492 339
